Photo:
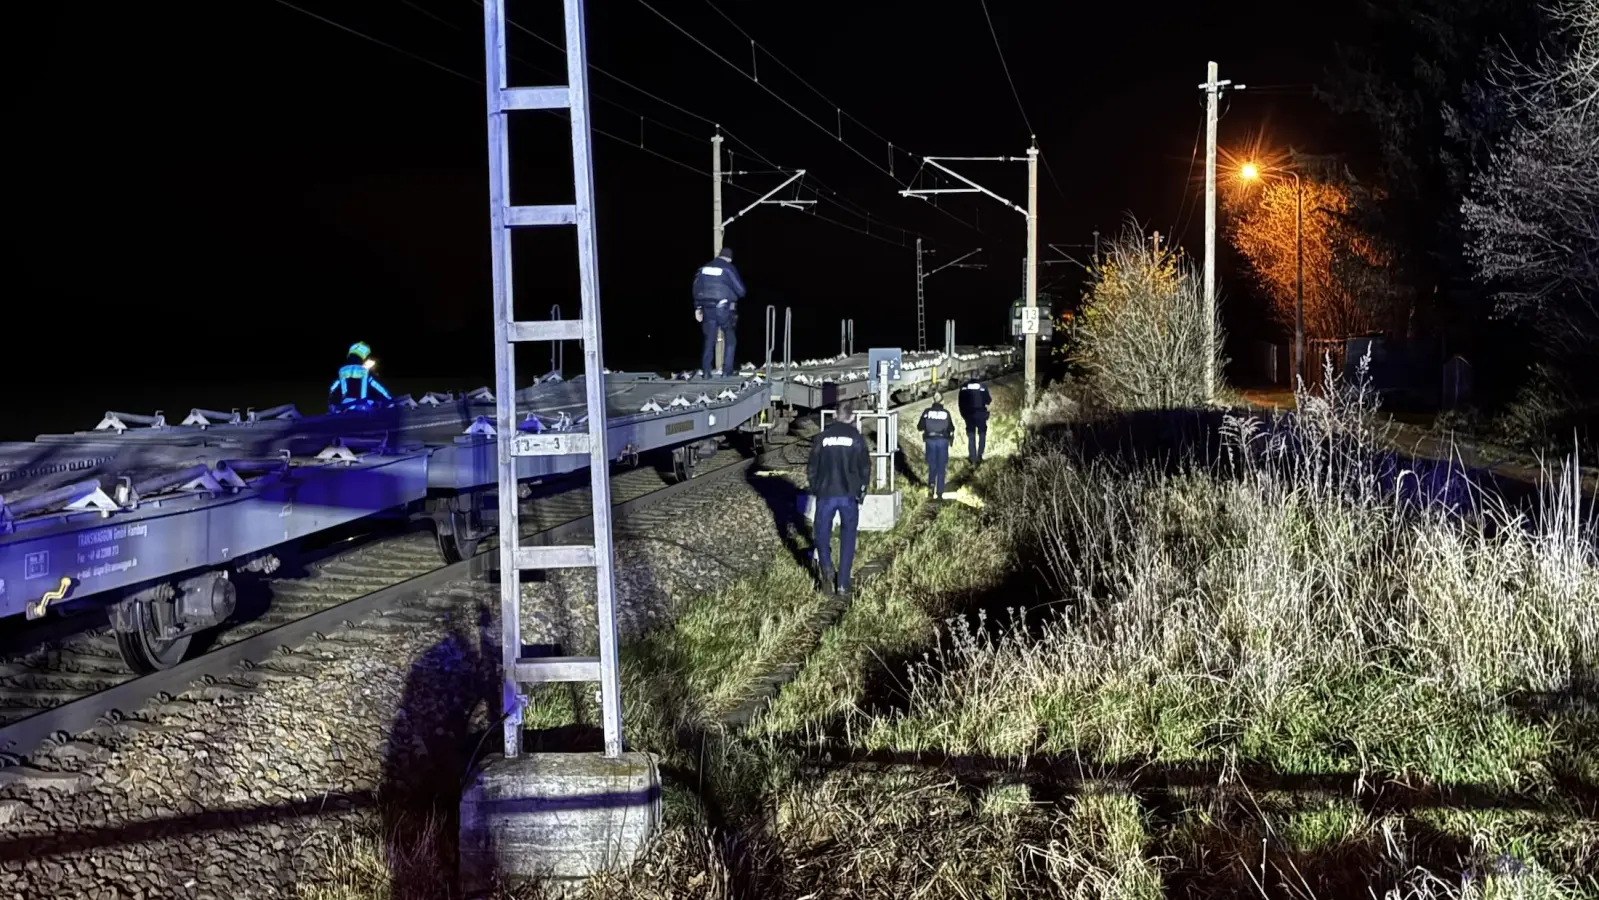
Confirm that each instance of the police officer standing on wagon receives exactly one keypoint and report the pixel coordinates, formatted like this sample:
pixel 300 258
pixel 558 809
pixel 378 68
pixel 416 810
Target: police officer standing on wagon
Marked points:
pixel 974 400
pixel 937 428
pixel 838 471
pixel 717 290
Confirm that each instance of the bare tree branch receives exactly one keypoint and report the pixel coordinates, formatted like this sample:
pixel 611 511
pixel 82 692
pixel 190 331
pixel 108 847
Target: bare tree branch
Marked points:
pixel 1532 214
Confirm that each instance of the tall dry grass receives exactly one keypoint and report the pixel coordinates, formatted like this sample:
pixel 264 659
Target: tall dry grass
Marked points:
pixel 1283 603
pixel 1296 603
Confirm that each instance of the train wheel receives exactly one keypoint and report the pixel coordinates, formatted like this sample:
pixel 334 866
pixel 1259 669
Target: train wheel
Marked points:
pixel 144 650
pixel 684 463
pixel 455 543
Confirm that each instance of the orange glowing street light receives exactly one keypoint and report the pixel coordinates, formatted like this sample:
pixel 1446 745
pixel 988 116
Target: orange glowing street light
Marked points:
pixel 1251 172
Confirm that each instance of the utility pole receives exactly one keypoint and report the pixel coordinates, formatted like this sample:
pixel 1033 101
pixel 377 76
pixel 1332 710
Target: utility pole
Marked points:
pixel 717 226
pixel 1212 89
pixel 1210 231
pixel 716 197
pixel 1299 280
pixel 921 310
pixel 1030 315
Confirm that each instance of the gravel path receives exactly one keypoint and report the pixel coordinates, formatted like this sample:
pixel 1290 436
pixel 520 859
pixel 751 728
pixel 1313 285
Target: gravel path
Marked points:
pixel 242 788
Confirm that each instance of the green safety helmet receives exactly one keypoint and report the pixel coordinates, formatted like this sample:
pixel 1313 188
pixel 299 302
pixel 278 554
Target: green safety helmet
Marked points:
pixel 360 349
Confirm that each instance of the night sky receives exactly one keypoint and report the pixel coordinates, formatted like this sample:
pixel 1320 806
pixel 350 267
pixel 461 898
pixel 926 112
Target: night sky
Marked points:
pixel 216 197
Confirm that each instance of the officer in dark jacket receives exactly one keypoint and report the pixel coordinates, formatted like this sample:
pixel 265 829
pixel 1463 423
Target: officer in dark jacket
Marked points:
pixel 937 427
pixel 838 471
pixel 717 290
pixel 974 402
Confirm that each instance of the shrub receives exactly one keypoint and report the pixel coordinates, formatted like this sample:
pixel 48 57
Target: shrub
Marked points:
pixel 1141 339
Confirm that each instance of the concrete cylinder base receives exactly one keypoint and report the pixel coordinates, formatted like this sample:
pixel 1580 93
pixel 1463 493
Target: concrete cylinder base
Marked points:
pixel 561 817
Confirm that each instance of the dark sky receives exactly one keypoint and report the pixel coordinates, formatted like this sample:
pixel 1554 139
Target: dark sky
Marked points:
pixel 231 193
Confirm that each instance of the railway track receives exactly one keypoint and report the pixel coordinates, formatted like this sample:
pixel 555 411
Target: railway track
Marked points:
pixel 71 686
pixel 76 684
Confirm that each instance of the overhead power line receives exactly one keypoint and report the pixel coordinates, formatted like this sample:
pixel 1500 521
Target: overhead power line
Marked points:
pixel 773 57
pixel 836 134
pixel 1006 66
pixel 1048 169
pixel 616 78
pixel 537 68
pixel 381 43
pixel 638 146
pixel 830 196
pixel 1185 209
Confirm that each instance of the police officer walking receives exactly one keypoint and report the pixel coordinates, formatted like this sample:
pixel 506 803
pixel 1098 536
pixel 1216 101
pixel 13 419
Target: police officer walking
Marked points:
pixel 838 471
pixel 937 428
pixel 974 400
pixel 717 290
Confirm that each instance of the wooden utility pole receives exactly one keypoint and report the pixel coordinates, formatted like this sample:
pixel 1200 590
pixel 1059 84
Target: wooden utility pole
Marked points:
pixel 1212 88
pixel 1032 273
pixel 1210 231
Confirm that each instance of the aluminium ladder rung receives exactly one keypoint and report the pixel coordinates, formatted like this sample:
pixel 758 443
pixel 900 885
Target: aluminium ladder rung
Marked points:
pixel 533 216
pixel 547 669
pixel 552 97
pixel 556 556
pixel 547 330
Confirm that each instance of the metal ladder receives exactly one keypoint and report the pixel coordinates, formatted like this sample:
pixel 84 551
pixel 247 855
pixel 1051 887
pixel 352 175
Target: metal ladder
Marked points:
pixel 921 306
pixel 518 671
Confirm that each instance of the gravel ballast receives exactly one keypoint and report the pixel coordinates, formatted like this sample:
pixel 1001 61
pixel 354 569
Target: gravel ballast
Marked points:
pixel 243 788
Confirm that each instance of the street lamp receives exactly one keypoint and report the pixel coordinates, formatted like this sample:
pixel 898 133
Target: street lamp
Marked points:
pixel 1251 172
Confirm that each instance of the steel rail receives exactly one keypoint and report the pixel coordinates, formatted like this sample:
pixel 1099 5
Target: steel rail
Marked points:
pixel 25 736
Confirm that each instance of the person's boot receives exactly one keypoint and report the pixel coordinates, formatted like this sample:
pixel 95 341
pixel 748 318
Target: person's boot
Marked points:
pixel 826 583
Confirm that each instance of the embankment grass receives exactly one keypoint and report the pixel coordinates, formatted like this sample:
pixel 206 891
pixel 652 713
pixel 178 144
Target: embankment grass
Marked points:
pixel 1282 669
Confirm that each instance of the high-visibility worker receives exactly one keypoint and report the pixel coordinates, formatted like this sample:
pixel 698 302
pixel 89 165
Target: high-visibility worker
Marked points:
pixel 355 384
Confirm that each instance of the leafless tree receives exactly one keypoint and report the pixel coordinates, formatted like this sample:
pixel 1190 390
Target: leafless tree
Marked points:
pixel 1532 214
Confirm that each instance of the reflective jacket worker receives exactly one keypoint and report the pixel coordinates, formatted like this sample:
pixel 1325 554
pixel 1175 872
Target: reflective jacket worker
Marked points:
pixel 355 383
